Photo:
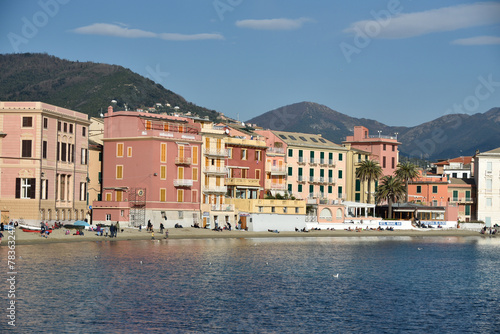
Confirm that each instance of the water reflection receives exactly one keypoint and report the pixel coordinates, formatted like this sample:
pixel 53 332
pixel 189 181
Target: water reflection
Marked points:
pixel 384 284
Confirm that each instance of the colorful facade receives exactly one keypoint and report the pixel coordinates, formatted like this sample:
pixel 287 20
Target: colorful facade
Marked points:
pixel 276 168
pixel 382 148
pixel 462 192
pixel 487 178
pixel 43 164
pixel 151 170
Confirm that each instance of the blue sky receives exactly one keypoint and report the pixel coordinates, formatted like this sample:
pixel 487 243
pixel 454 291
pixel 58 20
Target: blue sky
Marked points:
pixel 399 62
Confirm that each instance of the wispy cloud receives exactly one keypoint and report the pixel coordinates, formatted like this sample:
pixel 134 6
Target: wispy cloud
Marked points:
pixel 431 21
pixel 274 24
pixel 478 40
pixel 114 30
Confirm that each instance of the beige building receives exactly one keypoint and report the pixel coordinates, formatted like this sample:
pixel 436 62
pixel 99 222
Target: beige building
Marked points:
pixel 356 190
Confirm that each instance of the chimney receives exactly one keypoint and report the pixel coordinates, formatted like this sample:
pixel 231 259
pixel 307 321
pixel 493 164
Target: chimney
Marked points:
pixel 110 110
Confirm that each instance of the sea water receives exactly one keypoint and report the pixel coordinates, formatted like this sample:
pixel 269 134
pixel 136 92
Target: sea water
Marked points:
pixel 275 285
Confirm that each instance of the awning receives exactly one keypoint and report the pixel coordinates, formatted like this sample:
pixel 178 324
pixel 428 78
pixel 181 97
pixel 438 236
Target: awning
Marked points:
pixel 244 214
pixel 247 187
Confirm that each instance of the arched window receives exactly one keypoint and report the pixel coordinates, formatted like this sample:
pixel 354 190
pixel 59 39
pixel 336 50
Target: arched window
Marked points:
pixel 325 214
pixel 339 213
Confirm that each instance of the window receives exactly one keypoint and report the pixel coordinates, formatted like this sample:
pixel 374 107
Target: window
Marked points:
pixel 290 152
pixel 119 172
pixel 163 172
pixel 434 189
pixel 419 189
pixel 330 189
pixel 44 149
pixel 302 138
pixel 257 155
pixel 163 195
pixel 358 185
pixel 393 148
pixel 195 155
pixel 392 162
pixel 340 174
pixel 108 216
pixel 165 126
pixel 299 189
pixel 340 192
pixel 488 184
pixel 163 152
pixel 273 209
pixel 243 154
pixel 59 126
pixel 44 189
pixel 180 196
pixel 45 123
pixel 65 127
pixel 244 173
pixel 26 149
pixel 108 197
pixel 181 128
pixel 100 156
pixel 311 189
pixel 27 122
pixel 284 209
pixel 489 166
pixel 99 177
pixel 296 210
pixel 84 131
pixel 148 125
pixel 467 210
pixel 84 156
pixel 290 169
pixel 230 153
pixel 64 148
pixel 129 152
pixel 195 174
pixel 25 188
pixel 71 128
pixel 119 150
pixel 384 147
pixel 257 174
pixel 383 162
pixel 488 201
pixel 341 156
pixel 83 191
pixel 289 187
pixel 261 209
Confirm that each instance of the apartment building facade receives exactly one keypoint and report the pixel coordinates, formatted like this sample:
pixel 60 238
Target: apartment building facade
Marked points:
pixel 487 178
pixel 43 163
pixel 382 148
pixel 151 170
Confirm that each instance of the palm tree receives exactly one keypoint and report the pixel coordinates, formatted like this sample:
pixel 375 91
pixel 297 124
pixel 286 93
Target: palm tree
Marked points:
pixel 390 189
pixel 369 170
pixel 406 172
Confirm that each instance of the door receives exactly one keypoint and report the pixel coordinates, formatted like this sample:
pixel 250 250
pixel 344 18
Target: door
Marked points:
pixel 243 222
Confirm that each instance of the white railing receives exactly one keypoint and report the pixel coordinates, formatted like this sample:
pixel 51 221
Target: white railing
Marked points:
pixel 277 169
pixel 278 150
pixel 382 136
pixel 216 170
pixel 222 207
pixel 183 183
pixel 216 152
pixel 278 186
pixel 215 189
pixel 183 160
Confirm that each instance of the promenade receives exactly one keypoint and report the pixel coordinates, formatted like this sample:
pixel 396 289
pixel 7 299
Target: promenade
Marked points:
pixel 58 236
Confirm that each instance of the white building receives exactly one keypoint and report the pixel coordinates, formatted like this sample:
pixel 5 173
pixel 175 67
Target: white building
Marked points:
pixel 487 177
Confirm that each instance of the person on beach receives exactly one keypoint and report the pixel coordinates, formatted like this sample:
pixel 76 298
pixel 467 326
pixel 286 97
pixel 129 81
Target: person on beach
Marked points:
pixel 166 234
pixel 153 235
pixel 1 226
pixel 161 228
pixel 107 230
pixel 117 228
pixel 1 236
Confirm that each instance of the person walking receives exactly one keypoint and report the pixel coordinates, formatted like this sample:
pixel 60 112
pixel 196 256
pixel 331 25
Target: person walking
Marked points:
pixel 117 228
pixel 161 228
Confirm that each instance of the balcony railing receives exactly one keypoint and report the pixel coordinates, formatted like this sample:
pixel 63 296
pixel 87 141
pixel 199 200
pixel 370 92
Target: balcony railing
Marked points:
pixel 313 161
pixel 183 183
pixel 215 189
pixel 331 180
pixel 215 170
pixel 462 199
pixel 278 186
pixel 302 160
pixel 276 150
pixel 382 136
pixel 276 169
pixel 301 178
pixel 183 161
pixel 222 207
pixel 331 162
pixel 216 152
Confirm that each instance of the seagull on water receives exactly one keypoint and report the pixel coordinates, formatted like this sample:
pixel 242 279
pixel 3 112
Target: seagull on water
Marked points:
pixel 419 248
pixel 336 275
pixel 140 262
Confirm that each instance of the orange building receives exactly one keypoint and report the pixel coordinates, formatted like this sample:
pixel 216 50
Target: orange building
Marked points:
pixel 429 190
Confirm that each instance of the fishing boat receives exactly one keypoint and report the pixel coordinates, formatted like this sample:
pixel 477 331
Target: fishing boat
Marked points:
pixel 29 228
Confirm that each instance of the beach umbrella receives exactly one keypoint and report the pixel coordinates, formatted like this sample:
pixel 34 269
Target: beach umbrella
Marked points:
pixel 81 223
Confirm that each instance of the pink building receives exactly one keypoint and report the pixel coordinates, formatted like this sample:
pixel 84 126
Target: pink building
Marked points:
pixel 276 168
pixel 383 149
pixel 43 163
pixel 151 170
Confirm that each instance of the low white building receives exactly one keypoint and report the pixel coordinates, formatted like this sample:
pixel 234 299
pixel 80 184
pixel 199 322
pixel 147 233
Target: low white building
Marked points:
pixel 487 177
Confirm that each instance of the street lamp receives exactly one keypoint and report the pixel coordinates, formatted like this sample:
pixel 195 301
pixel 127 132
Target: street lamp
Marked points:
pixel 379 131
pixel 396 133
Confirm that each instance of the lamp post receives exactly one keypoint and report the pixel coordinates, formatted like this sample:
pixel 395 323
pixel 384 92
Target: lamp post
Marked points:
pixel 396 133
pixel 379 131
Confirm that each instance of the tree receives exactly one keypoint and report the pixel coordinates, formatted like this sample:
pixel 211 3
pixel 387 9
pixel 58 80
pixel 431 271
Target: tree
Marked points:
pixel 369 170
pixel 405 172
pixel 390 189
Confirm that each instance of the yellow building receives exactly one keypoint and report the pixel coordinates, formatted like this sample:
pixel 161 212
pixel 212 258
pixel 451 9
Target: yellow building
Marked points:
pixel 356 190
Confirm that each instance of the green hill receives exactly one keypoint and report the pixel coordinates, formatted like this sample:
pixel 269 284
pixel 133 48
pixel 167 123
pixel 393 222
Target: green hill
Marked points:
pixel 84 86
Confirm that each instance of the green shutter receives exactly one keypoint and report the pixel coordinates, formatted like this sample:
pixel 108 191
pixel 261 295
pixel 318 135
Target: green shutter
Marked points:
pixel 290 169
pixel 300 188
pixel 358 185
pixel 290 152
pixel 341 157
pixel 300 171
pixel 340 174
pixel 330 189
pixel 467 210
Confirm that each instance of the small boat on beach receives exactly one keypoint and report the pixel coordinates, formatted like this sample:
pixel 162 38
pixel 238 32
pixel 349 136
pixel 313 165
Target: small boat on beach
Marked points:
pixel 29 228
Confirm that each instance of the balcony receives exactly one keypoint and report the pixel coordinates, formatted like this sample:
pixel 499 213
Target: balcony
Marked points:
pixel 183 183
pixel 278 186
pixel 301 178
pixel 215 189
pixel 331 180
pixel 302 161
pixel 275 150
pixel 313 161
pixel 462 199
pixel 233 181
pixel 331 162
pixel 322 162
pixel 214 170
pixel 276 170
pixel 222 207
pixel 215 152
pixel 183 161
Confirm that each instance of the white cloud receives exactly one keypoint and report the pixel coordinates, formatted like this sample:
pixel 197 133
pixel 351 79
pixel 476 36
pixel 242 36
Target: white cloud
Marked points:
pixel 114 30
pixel 430 21
pixel 478 40
pixel 273 24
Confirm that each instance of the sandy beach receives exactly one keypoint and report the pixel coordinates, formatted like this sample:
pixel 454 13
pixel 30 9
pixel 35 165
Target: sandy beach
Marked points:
pixel 26 238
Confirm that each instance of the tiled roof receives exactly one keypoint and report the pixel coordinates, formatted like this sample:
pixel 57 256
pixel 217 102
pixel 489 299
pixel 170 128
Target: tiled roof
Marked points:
pixel 306 139
pixel 464 160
